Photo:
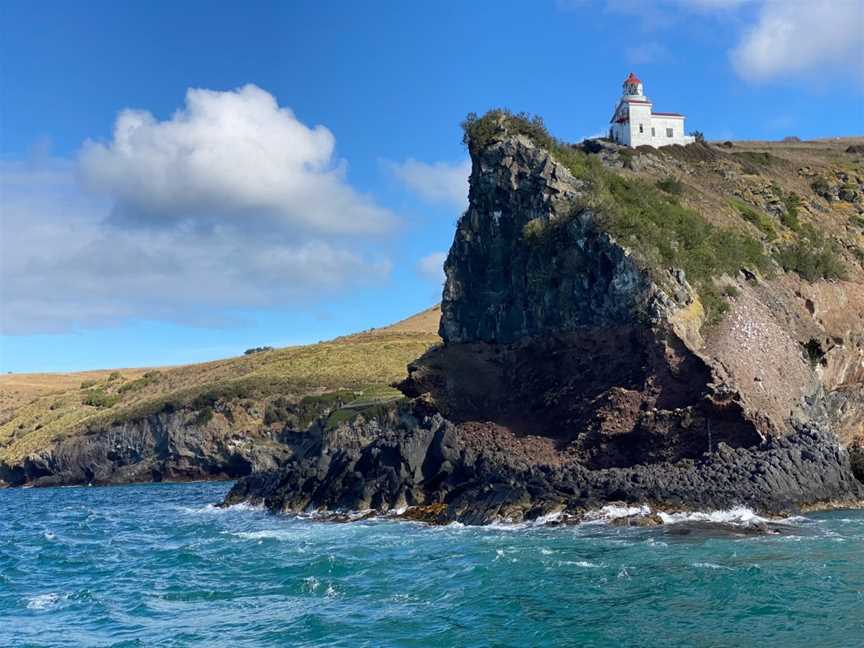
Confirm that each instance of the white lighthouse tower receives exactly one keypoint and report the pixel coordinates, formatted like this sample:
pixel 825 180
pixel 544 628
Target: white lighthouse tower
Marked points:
pixel 634 123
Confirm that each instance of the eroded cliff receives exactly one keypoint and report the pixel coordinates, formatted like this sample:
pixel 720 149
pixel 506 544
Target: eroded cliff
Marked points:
pixel 680 326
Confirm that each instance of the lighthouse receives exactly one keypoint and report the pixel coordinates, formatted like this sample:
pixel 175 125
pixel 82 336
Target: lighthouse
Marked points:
pixel 634 122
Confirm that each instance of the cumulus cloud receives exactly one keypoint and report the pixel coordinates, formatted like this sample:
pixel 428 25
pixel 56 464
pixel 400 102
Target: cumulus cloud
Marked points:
pixel 171 234
pixel 440 182
pixel 431 266
pixel 228 156
pixel 800 36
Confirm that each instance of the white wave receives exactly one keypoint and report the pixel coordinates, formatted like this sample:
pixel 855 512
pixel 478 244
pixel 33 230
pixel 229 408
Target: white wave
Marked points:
pixel 584 564
pixel 613 512
pixel 709 565
pixel 738 515
pixel 267 534
pixel 213 509
pixel 44 601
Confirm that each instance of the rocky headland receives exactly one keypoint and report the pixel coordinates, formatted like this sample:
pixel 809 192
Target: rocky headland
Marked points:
pixel 662 327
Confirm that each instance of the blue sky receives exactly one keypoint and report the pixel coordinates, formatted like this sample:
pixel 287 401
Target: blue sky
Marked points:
pixel 182 181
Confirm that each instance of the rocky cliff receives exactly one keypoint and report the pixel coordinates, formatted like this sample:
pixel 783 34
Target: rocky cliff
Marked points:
pixel 680 326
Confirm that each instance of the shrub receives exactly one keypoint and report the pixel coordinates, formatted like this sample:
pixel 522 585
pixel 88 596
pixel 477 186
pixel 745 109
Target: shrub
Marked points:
pixel 790 218
pixel 149 378
pixel 479 132
pixel 115 375
pixel 758 158
pixel 699 135
pixel 260 349
pixel 87 384
pixel 534 229
pixel 666 234
pixel 99 398
pixel 812 257
pixel 671 185
pixel 757 218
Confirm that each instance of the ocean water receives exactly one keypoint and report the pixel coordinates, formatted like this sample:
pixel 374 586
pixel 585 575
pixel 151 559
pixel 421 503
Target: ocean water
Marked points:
pixel 158 565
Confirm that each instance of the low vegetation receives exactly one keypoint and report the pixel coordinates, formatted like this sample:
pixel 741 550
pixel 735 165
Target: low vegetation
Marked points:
pixel 357 368
pixel 812 256
pixel 761 220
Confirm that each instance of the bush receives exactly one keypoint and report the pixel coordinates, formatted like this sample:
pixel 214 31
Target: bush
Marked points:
pixel 699 135
pixel 534 229
pixel 757 218
pixel 665 234
pixel 149 378
pixel 790 218
pixel 99 398
pixel 812 257
pixel 86 384
pixel 479 132
pixel 671 186
pixel 260 349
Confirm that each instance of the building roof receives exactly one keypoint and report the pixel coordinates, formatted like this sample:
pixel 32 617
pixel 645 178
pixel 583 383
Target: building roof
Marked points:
pixel 632 79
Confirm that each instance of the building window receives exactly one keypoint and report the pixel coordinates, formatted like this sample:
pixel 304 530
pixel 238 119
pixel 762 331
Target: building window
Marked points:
pixel 641 129
pixel 668 132
pixel 653 132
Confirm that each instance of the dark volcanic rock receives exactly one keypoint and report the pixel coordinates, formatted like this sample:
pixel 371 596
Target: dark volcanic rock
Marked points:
pixel 458 473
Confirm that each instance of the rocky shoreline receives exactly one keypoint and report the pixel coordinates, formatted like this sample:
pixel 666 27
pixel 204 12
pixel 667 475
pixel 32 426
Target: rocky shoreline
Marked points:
pixel 455 473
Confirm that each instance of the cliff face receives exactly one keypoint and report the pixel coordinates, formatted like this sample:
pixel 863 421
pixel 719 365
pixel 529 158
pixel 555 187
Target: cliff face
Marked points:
pixel 552 328
pixel 577 369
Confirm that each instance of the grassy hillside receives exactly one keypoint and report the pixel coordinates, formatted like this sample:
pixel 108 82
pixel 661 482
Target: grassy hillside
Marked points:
pixel 37 409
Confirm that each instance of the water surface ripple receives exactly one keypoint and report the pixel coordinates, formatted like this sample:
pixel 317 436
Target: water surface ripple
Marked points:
pixel 158 565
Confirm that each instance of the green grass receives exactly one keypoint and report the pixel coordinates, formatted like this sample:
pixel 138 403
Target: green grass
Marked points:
pixel 812 256
pixel 790 218
pixel 358 367
pixel 666 234
pixel 761 220
pixel 99 398
pixel 671 186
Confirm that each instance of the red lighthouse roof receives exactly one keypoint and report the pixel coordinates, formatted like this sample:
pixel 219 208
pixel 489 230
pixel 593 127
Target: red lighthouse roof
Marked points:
pixel 632 79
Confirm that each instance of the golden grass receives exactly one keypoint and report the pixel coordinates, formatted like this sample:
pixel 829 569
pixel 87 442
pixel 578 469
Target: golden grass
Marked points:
pixel 39 408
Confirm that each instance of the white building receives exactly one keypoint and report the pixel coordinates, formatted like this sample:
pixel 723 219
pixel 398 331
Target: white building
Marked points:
pixel 634 123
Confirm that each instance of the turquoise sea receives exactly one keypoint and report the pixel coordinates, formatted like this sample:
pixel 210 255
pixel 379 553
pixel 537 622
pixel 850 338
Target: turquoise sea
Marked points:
pixel 159 565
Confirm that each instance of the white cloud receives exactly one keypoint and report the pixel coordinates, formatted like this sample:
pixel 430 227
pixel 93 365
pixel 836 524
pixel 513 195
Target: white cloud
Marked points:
pixel 801 36
pixel 431 266
pixel 228 156
pixel 195 218
pixel 441 182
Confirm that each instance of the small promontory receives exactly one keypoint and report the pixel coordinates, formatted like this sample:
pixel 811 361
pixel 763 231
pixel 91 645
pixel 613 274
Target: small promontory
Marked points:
pixel 682 326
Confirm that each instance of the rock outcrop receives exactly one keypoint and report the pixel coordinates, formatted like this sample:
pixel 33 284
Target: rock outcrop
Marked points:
pixel 572 374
